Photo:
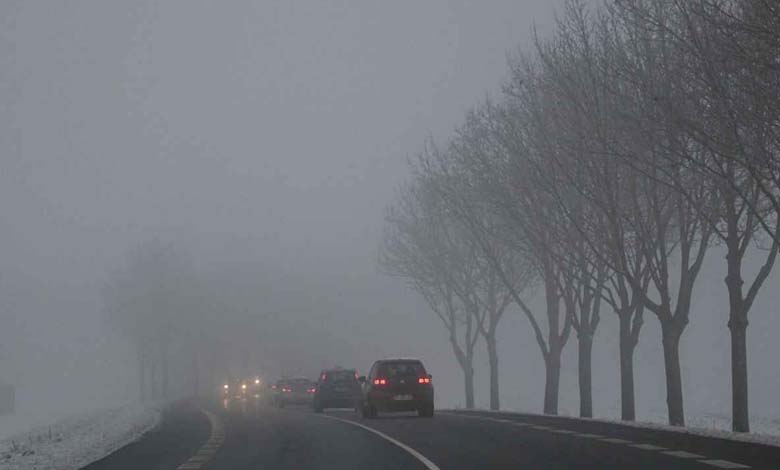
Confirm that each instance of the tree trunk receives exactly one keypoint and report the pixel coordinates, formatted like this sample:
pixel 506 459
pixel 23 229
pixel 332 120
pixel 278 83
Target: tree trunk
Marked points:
pixel 738 323
pixel 674 396
pixel 468 382
pixel 493 359
pixel 740 421
pixel 584 368
pixel 552 379
pixel 627 403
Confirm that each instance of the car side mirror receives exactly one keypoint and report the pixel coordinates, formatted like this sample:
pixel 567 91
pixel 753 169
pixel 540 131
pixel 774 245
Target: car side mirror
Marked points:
pixel 362 379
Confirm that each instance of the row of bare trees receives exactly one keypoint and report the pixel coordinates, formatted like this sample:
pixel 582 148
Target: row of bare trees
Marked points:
pixel 172 318
pixel 623 147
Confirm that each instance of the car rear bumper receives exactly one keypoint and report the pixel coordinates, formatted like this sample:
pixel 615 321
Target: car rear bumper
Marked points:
pixel 386 401
pixel 295 399
pixel 337 402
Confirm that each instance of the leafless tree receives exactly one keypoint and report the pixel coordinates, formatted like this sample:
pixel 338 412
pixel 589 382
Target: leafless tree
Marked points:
pixel 419 248
pixel 726 101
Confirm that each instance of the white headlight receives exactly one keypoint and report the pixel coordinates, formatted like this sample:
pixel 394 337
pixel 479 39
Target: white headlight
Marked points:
pixel 226 386
pixel 243 385
pixel 257 381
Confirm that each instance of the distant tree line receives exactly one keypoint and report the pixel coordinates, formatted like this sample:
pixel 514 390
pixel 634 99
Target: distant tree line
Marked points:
pixel 175 319
pixel 623 146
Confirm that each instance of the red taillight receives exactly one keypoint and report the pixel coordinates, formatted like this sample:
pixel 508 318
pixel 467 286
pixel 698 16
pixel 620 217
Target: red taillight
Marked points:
pixel 424 380
pixel 311 390
pixel 380 382
pixel 286 390
pixel 273 387
pixel 323 377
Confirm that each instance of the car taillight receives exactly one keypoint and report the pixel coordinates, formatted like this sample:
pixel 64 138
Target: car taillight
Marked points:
pixel 424 380
pixel 380 382
pixel 286 390
pixel 311 390
pixel 324 377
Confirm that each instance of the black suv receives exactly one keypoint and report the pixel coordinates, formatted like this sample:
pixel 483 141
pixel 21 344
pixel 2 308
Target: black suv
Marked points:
pixel 397 385
pixel 337 388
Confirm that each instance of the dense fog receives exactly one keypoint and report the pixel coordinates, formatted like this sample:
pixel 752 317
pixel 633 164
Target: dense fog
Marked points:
pixel 258 144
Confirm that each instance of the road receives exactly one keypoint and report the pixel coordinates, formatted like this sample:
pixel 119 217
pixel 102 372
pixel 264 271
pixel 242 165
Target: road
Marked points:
pixel 248 435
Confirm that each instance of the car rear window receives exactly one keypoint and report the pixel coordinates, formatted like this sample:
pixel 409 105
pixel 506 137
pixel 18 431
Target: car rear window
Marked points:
pixel 402 369
pixel 300 385
pixel 339 376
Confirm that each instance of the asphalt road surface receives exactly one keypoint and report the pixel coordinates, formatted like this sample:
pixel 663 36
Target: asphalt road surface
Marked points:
pixel 248 435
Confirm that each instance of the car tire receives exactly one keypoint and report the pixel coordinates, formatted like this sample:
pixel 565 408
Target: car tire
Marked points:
pixel 369 411
pixel 426 411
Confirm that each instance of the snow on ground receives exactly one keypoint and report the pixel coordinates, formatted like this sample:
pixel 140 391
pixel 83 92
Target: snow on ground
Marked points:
pixel 75 441
pixel 764 430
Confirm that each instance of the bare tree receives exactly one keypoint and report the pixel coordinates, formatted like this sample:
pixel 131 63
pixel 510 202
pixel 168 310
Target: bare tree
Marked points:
pixel 418 248
pixel 725 100
pixel 146 301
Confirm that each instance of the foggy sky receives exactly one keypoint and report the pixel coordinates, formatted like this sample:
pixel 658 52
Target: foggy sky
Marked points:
pixel 267 137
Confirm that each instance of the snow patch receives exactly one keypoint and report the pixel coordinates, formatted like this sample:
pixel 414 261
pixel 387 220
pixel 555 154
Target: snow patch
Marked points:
pixel 76 441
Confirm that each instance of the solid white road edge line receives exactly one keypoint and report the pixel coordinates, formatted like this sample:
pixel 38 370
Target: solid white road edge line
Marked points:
pixel 428 464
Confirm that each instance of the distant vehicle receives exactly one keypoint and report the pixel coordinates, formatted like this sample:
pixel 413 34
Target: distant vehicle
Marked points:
pixel 297 391
pixel 235 389
pixel 336 388
pixel 397 385
pixel 256 386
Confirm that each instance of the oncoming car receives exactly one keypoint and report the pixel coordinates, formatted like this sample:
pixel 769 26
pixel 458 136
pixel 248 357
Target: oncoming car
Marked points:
pixel 298 391
pixel 235 389
pixel 397 385
pixel 336 388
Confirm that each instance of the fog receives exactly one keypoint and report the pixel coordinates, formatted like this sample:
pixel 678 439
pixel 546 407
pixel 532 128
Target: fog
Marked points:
pixel 264 140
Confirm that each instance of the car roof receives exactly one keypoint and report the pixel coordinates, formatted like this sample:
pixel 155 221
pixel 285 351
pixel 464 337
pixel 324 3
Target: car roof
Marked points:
pixel 338 369
pixel 400 359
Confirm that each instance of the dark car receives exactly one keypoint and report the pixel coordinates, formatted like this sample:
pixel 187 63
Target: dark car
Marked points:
pixel 397 385
pixel 337 388
pixel 293 392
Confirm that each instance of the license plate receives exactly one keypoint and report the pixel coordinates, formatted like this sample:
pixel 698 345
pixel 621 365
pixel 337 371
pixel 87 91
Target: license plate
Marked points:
pixel 403 397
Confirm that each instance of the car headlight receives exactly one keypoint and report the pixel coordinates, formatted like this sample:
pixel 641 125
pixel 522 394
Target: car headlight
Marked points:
pixel 243 386
pixel 226 386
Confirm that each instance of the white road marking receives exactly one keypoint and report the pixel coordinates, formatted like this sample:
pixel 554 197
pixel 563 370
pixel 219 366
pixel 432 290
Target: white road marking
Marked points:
pixel 421 458
pixel 590 436
pixel 563 431
pixel 723 464
pixel 682 454
pixel 614 440
pixel 648 447
pixel 542 428
pixel 188 466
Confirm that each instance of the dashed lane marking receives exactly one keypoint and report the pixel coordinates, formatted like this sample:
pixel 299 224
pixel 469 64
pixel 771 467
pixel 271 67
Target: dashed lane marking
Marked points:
pixel 210 448
pixel 590 436
pixel 421 458
pixel 682 454
pixel 723 464
pixel 648 447
pixel 615 440
pixel 563 431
